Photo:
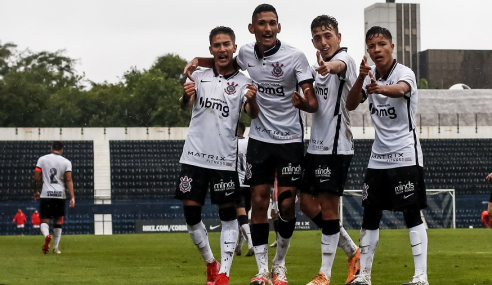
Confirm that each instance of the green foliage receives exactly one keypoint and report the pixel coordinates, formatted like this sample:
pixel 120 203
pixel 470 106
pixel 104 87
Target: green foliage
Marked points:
pixel 423 84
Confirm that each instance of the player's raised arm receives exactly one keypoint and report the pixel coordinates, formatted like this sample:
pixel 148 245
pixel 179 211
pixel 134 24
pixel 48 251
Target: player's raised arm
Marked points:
pixel 197 61
pixel 251 106
pixel 356 96
pixel 332 67
pixel 396 90
pixel 189 95
pixel 308 103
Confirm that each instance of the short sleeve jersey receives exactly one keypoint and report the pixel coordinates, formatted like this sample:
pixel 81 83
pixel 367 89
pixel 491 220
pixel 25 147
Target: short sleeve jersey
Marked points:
pixel 242 146
pixel 53 167
pixel 396 143
pixel 211 141
pixel 330 131
pixel 277 73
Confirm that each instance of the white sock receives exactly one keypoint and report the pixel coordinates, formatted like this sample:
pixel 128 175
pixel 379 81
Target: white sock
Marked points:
pixel 419 242
pixel 368 243
pixel 261 255
pixel 328 250
pixel 228 238
pixel 199 236
pixel 45 229
pixel 57 232
pixel 282 247
pixel 247 234
pixel 346 243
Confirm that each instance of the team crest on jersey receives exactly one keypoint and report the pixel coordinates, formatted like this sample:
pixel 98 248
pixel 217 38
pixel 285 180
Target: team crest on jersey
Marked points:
pixel 185 185
pixel 248 173
pixel 277 70
pixel 365 187
pixel 231 88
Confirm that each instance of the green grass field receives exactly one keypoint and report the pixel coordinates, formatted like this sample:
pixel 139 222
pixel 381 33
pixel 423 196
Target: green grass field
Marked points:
pixel 461 256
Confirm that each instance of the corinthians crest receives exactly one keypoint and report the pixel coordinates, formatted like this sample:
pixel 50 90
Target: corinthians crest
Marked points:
pixel 185 185
pixel 231 88
pixel 277 70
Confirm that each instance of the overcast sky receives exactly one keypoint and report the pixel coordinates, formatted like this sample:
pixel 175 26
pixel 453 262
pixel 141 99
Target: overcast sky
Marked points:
pixel 110 36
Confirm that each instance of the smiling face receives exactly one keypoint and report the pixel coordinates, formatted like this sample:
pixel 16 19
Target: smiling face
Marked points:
pixel 380 50
pixel 265 27
pixel 326 40
pixel 222 48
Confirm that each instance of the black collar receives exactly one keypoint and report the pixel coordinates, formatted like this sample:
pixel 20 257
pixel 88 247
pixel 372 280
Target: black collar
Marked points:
pixel 389 72
pixel 227 76
pixel 338 51
pixel 268 52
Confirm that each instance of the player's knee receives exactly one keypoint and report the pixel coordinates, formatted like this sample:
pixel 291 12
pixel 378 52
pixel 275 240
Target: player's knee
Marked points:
pixel 371 219
pixel 193 214
pixel 227 214
pixel 412 218
pixel 286 205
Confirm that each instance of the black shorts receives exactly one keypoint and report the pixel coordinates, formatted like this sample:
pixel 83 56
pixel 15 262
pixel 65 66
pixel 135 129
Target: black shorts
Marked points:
pixel 394 189
pixel 195 181
pixel 243 198
pixel 490 198
pixel 50 208
pixel 325 173
pixel 264 160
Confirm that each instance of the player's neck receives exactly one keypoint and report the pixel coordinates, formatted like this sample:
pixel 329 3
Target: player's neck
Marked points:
pixel 384 69
pixel 225 70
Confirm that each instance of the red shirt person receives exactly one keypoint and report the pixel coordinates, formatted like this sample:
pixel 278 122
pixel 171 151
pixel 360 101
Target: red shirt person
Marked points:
pixel 21 220
pixel 36 220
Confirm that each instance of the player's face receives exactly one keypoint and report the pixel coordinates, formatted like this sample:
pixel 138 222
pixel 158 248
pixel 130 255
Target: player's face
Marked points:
pixel 326 40
pixel 265 27
pixel 380 50
pixel 222 48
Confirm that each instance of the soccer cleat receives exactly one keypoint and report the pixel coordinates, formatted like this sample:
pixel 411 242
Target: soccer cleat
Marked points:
pixel 262 278
pixel 251 252
pixel 278 275
pixel 320 279
pixel 222 279
pixel 46 246
pixel 361 279
pixel 419 279
pixel 56 251
pixel 212 271
pixel 353 266
pixel 274 244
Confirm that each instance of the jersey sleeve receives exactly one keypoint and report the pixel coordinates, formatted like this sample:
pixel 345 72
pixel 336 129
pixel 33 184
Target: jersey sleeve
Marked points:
pixel 69 166
pixel 302 68
pixel 241 59
pixel 345 58
pixel 39 165
pixel 408 77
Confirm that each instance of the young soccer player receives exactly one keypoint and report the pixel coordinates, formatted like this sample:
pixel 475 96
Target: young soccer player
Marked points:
pixel 330 147
pixel 394 178
pixel 276 136
pixel 210 150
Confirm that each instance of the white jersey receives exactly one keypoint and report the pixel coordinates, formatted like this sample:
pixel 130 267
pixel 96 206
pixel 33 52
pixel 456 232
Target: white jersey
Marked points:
pixel 53 167
pixel 211 141
pixel 277 74
pixel 330 131
pixel 242 146
pixel 396 143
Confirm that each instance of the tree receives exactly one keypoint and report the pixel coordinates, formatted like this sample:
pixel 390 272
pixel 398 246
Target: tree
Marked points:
pixel 423 84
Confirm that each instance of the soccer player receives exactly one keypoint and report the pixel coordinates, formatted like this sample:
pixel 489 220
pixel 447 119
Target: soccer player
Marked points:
pixel 53 176
pixel 210 150
pixel 394 179
pixel 330 147
pixel 36 222
pixel 243 200
pixel 20 219
pixel 276 136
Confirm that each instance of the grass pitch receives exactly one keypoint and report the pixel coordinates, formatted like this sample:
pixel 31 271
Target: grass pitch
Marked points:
pixel 461 256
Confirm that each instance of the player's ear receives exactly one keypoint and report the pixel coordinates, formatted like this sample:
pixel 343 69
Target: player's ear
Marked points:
pixel 210 49
pixel 251 29
pixel 339 37
pixel 234 49
pixel 279 27
pixel 392 47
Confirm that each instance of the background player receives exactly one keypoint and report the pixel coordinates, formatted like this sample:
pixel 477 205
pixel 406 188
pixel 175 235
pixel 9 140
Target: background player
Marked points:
pixel 210 150
pixel 20 219
pixel 53 175
pixel 330 147
pixel 394 178
pixel 243 202
pixel 36 222
pixel 276 136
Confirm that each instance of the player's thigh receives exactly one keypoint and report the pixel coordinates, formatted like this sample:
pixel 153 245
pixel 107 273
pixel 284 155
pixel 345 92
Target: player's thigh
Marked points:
pixel 192 184
pixel 407 187
pixel 289 158
pixel 224 185
pixel 375 190
pixel 260 163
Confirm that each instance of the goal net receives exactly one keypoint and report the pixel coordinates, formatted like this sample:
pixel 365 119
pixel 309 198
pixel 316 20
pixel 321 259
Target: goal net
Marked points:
pixel 440 212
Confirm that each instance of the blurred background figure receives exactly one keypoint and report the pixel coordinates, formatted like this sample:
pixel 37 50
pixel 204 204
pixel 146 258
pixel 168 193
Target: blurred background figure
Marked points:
pixel 20 219
pixel 36 222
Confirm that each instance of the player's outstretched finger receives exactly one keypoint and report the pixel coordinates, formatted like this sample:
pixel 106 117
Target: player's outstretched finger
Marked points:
pixel 318 56
pixel 373 80
pixel 364 60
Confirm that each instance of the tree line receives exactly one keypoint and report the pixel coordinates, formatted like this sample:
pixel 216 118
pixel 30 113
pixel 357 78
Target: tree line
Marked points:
pixel 43 89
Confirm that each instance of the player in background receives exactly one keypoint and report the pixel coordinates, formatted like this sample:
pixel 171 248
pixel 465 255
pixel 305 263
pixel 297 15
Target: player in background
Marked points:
pixel 243 201
pixel 36 222
pixel 216 96
pixel 276 136
pixel 330 147
pixel 394 179
pixel 53 176
pixel 20 219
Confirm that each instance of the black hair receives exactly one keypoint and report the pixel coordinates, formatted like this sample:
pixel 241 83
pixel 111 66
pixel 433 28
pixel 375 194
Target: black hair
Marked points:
pixel 265 8
pixel 222 30
pixel 57 145
pixel 324 21
pixel 377 30
pixel 241 126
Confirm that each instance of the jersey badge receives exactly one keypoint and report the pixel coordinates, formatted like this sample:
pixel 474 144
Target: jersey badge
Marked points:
pixel 231 88
pixel 185 185
pixel 277 70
